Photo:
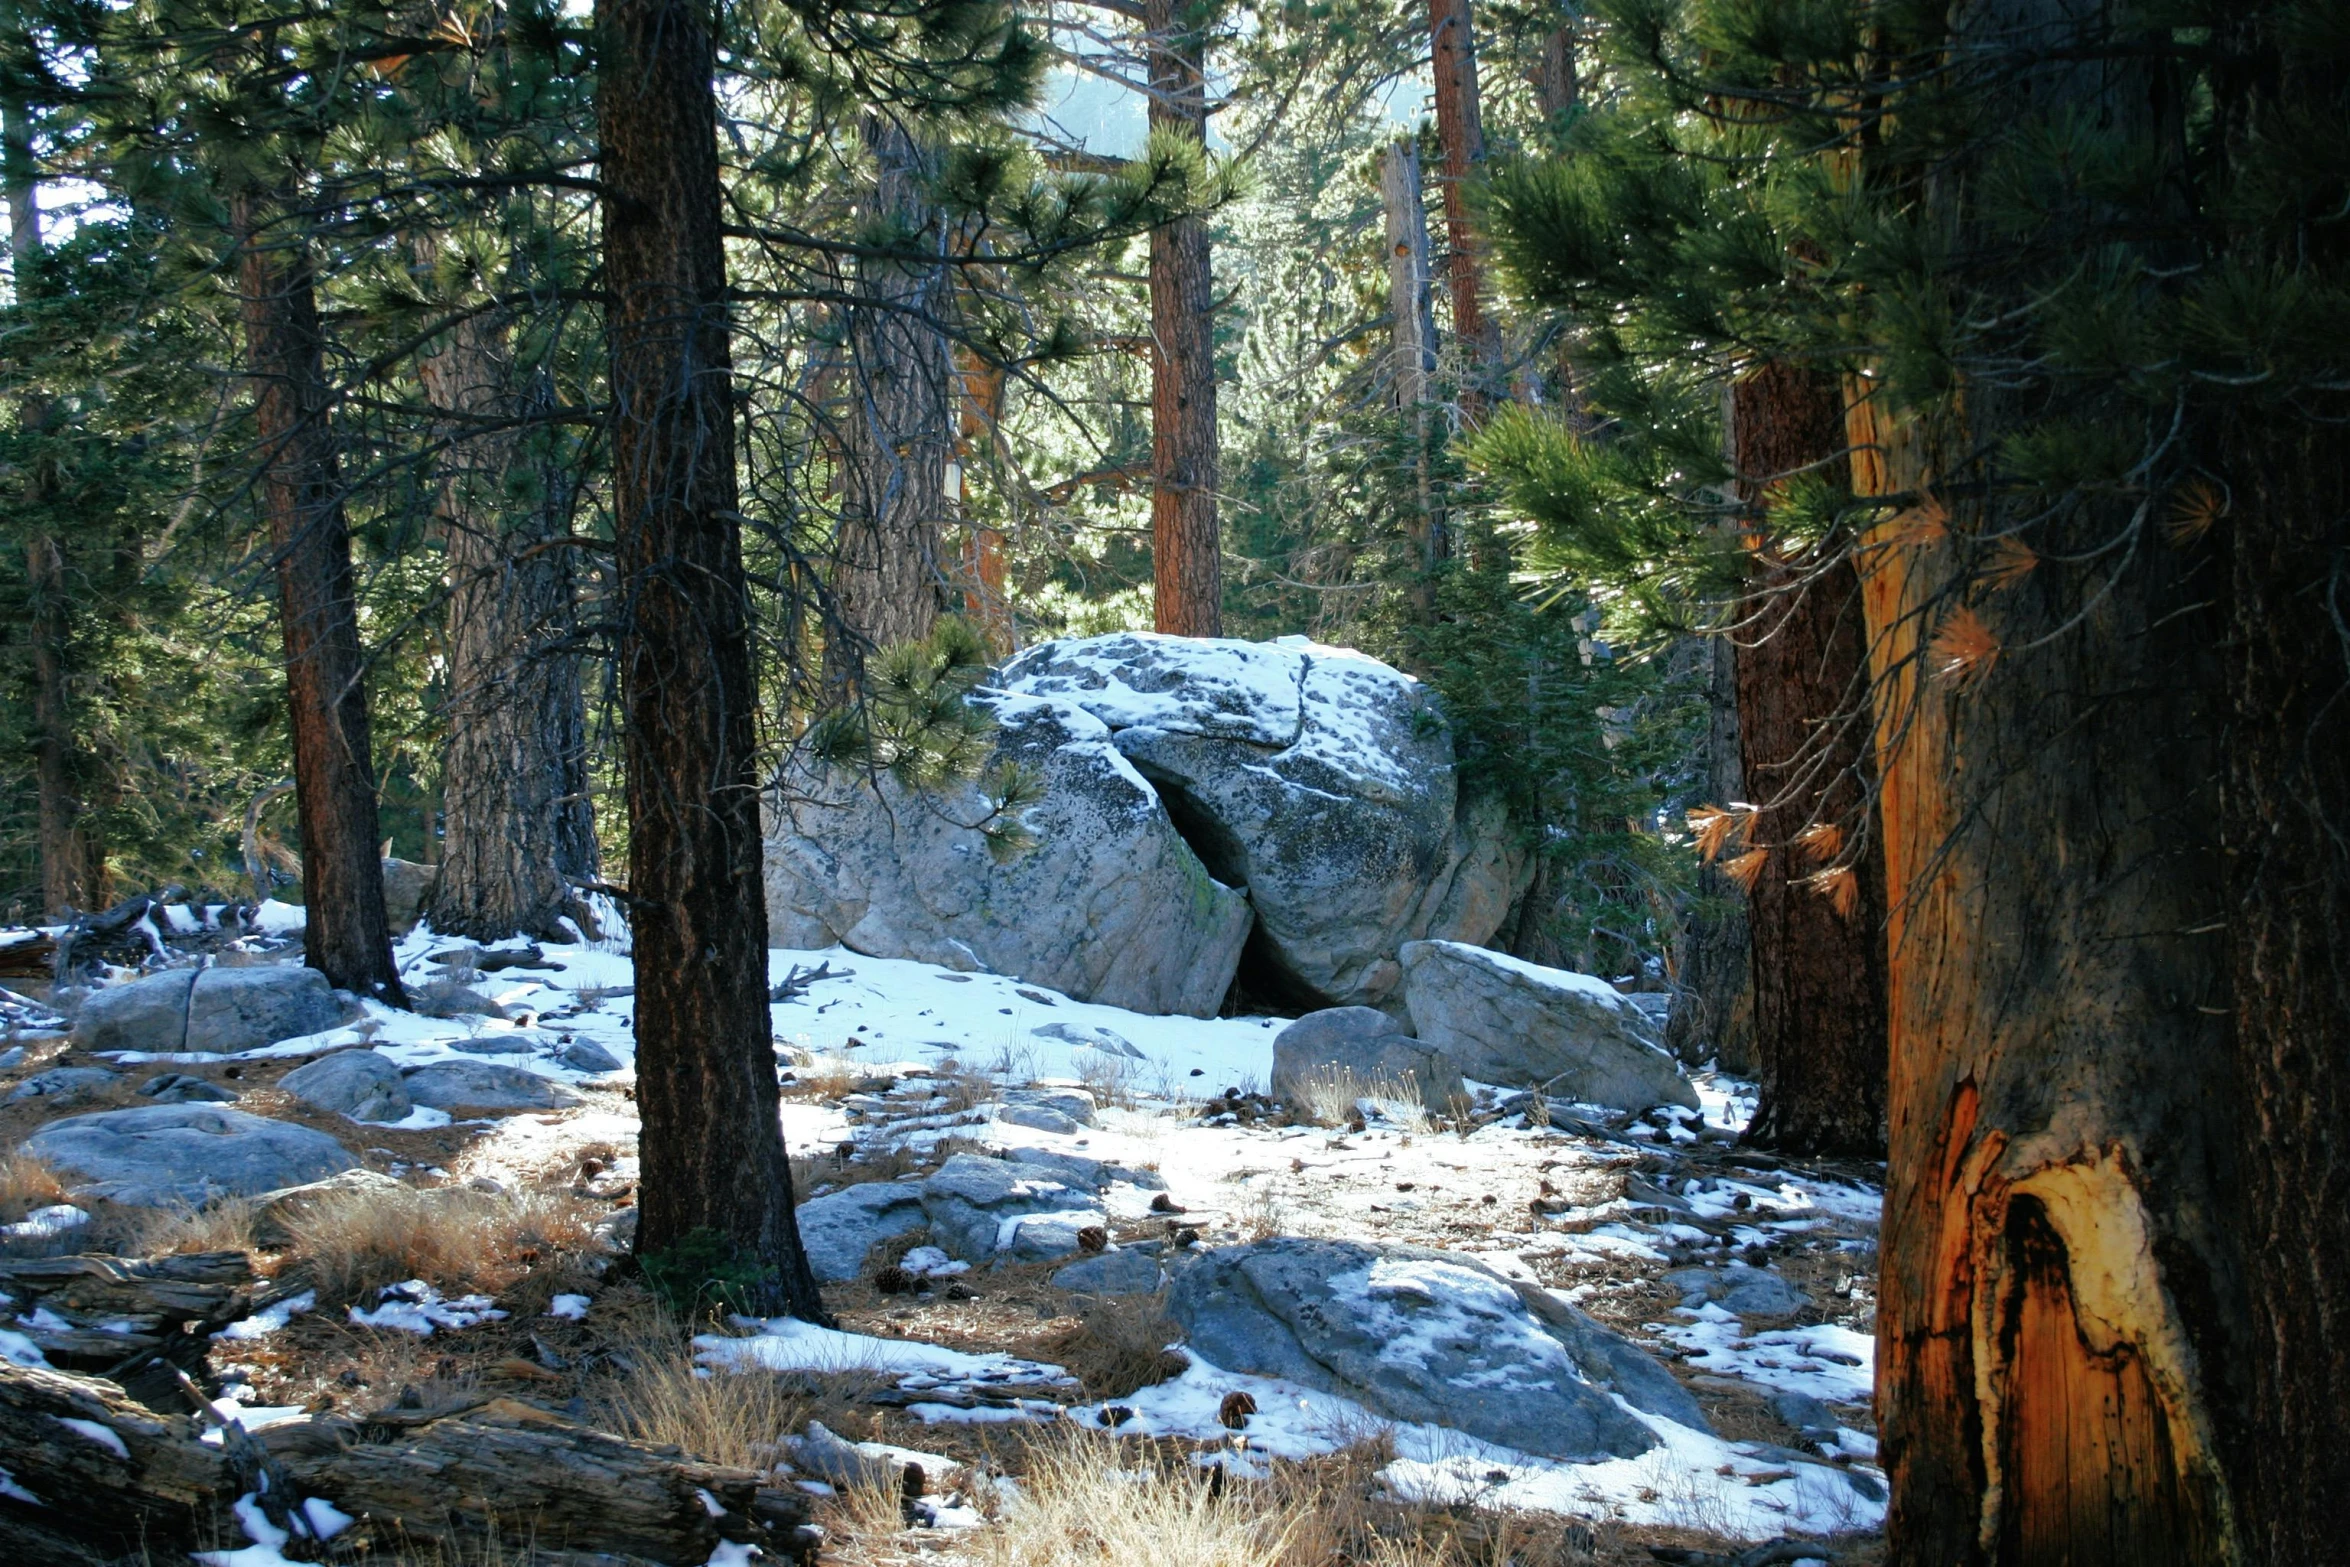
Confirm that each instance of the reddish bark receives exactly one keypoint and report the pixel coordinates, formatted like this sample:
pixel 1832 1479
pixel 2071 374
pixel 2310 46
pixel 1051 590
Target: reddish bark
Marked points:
pixel 1186 548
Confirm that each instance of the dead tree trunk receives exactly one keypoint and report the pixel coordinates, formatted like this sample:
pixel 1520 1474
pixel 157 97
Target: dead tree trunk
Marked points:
pixel 345 936
pixel 1816 909
pixel 521 832
pixel 1713 1001
pixel 2285 799
pixel 1460 127
pixel 711 1148
pixel 1413 329
pixel 1555 87
pixel 1186 548
pixel 899 434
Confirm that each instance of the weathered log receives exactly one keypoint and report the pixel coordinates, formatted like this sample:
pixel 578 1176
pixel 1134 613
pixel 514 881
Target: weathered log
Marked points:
pixel 118 1309
pixel 87 1465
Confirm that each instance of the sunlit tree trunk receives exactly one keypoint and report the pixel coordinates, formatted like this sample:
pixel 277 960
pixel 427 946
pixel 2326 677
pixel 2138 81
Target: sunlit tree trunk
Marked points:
pixel 1412 332
pixel 345 935
pixel 987 600
pixel 1815 908
pixel 1186 549
pixel 711 1147
pixel 1460 127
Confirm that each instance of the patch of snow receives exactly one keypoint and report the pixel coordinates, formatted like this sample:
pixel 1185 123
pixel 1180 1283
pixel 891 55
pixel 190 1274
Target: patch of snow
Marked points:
pixel 104 1435
pixel 416 1307
pixel 17 1493
pixel 42 1223
pixel 788 1344
pixel 270 1318
pixel 19 1350
pixel 325 1518
pixel 273 918
pixel 1832 1363
pixel 43 1320
pixel 572 1308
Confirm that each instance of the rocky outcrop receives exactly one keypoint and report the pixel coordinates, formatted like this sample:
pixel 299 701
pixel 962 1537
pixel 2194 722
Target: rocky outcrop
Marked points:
pixel 1503 1020
pixel 1110 905
pixel 213 1010
pixel 1425 1336
pixel 1319 779
pixel 1365 1045
pixel 184 1155
pixel 839 1228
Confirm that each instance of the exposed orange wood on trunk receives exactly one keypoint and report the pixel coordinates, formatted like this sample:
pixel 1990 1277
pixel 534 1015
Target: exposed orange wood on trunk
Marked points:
pixel 986 584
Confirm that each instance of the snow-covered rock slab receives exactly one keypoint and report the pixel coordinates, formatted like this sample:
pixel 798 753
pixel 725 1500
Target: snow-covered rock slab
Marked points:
pixel 1318 778
pixel 1425 1336
pixel 167 1155
pixel 1504 1020
pixel 1110 905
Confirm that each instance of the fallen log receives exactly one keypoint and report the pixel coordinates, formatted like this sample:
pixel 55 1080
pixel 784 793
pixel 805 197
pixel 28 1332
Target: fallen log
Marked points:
pixel 88 1473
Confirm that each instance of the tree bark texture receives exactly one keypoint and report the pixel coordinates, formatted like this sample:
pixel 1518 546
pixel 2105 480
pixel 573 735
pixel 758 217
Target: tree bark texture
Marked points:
pixel 520 826
pixel 1713 1001
pixel 900 432
pixel 1413 333
pixel 2057 1332
pixel 345 935
pixel 1555 87
pixel 1818 952
pixel 2285 810
pixel 1460 127
pixel 711 1147
pixel 1186 548
pixel 987 599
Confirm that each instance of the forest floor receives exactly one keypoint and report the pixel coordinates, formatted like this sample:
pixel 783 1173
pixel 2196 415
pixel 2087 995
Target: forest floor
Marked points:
pixel 894 1066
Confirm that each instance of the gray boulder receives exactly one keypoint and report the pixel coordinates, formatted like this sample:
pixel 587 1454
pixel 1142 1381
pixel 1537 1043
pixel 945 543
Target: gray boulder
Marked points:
pixel 180 1088
pixel 585 1055
pixel 166 1155
pixel 484 1085
pixel 1750 1292
pixel 1320 780
pixel 840 1228
pixel 982 1209
pixel 1425 1336
pixel 1121 1272
pixel 1365 1045
pixel 1110 905
pixel 1092 1175
pixel 364 1085
pixel 407 886
pixel 214 1010
pixel 64 1084
pixel 1503 1020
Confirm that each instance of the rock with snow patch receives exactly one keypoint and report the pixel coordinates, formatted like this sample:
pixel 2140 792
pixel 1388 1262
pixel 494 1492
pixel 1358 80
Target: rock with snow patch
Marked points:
pixel 181 1088
pixel 451 998
pixel 1110 904
pixel 1805 1413
pixel 1319 779
pixel 1504 1020
pixel 497 1045
pixel 1121 1272
pixel 213 1010
pixel 1750 1292
pixel 64 1084
pixel 1365 1045
pixel 817 1452
pixel 168 1155
pixel 981 1209
pixel 364 1085
pixel 840 1228
pixel 484 1085
pixel 1062 1110
pixel 1094 1175
pixel 585 1055
pixel 1424 1336
pixel 1107 1041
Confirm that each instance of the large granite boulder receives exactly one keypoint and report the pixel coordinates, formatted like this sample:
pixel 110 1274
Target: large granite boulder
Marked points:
pixel 1504 1020
pixel 1365 1045
pixel 191 1154
pixel 362 1084
pixel 1319 779
pixel 407 888
pixel 983 1210
pixel 484 1085
pixel 1425 1336
pixel 1110 905
pixel 213 1010
pixel 840 1228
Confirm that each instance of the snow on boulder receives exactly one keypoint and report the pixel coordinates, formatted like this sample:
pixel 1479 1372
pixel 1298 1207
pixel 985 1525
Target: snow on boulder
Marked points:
pixel 1425 1336
pixel 184 1155
pixel 1110 905
pixel 981 1209
pixel 1504 1020
pixel 215 1010
pixel 1317 778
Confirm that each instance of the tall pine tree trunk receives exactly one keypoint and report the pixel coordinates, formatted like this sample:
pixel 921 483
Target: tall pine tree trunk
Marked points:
pixel 345 936
pixel 1186 549
pixel 1460 127
pixel 2285 803
pixel 987 589
pixel 520 829
pixel 1713 999
pixel 1818 953
pixel 1412 330
pixel 711 1149
pixel 900 431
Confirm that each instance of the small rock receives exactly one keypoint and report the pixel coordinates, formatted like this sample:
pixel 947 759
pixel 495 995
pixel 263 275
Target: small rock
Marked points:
pixel 585 1055
pixel 839 1230
pixel 63 1084
pixel 1806 1414
pixel 497 1045
pixel 178 1088
pixel 448 998
pixel 1125 1271
pixel 1750 1292
pixel 1504 1020
pixel 361 1085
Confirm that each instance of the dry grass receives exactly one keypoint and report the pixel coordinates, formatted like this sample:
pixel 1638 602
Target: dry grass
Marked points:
pixel 225 1226
pixel 1330 1096
pixel 1119 1345
pixel 453 1237
pixel 723 1418
pixel 1112 1080
pixel 26 1184
pixel 824 1077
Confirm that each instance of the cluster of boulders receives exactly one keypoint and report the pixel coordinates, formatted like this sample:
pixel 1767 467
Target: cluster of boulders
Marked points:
pixel 1205 802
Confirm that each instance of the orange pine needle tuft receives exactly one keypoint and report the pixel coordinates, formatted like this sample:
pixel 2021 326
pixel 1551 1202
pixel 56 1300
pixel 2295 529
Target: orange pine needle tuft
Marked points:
pixel 2196 512
pixel 1821 842
pixel 1924 523
pixel 1963 647
pixel 1713 827
pixel 2011 561
pixel 1839 886
pixel 1747 868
